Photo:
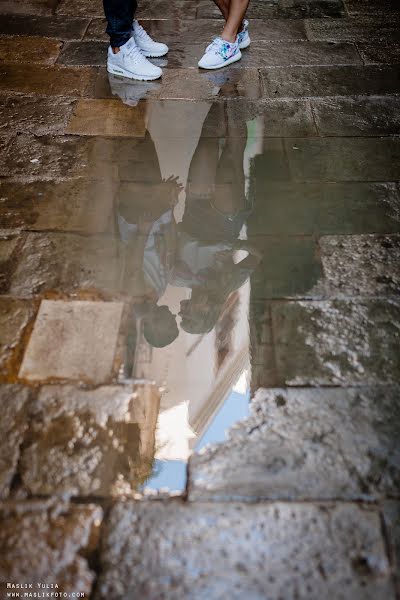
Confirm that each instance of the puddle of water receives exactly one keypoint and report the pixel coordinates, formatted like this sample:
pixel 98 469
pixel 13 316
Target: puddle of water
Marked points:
pixel 188 265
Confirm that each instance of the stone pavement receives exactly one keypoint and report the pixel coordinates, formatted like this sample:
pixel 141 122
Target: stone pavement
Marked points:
pixel 302 501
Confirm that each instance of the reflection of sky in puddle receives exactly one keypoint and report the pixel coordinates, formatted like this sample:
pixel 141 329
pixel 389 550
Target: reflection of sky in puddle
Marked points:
pixel 171 474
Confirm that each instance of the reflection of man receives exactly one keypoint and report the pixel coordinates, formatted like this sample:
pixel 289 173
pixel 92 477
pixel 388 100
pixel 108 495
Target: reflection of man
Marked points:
pixel 130 45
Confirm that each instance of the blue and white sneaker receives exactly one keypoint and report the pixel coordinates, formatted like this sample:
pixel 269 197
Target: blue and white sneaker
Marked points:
pixel 243 36
pixel 220 54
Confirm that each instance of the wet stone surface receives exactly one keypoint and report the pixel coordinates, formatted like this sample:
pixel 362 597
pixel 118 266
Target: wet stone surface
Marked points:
pixel 89 443
pixel 169 247
pixel 14 403
pixel 306 444
pixel 61 534
pixel 255 550
pixel 73 340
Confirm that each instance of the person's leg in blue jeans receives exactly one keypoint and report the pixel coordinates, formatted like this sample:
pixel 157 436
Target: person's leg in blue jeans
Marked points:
pixel 119 15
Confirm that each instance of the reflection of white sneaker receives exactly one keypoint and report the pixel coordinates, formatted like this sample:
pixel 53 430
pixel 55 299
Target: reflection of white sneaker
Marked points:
pixel 131 92
pixel 130 62
pixel 220 54
pixel 243 36
pixel 146 44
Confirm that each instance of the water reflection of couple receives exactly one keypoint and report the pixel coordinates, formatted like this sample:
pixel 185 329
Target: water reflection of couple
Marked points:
pixel 202 251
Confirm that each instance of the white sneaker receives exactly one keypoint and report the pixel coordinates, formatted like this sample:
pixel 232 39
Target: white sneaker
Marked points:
pixel 243 36
pixel 130 62
pixel 220 54
pixel 146 44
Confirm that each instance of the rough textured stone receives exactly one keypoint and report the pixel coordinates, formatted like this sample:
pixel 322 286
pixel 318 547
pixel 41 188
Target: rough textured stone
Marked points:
pixel 257 551
pixel 47 157
pixel 91 53
pixel 358 116
pixel 288 267
pixel 98 442
pixel 347 30
pixel 74 205
pixel 14 422
pixel 29 50
pixel 28 115
pixel 9 246
pixel 305 53
pixel 49 81
pixel 362 265
pixel 107 118
pixel 28 7
pixel 54 26
pixel 84 8
pixel 306 444
pixel 344 159
pixel 380 53
pixel 42 542
pixel 322 208
pixel 15 316
pixel 387 9
pixel 337 342
pixel 67 263
pixel 73 340
pixel 350 80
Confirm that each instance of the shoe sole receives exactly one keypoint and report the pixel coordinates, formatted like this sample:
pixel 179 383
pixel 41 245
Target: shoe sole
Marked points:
pixel 231 60
pixel 130 75
pixel 154 54
pixel 244 45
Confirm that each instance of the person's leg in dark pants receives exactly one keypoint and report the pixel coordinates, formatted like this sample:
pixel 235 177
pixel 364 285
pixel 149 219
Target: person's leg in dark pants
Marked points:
pixel 119 15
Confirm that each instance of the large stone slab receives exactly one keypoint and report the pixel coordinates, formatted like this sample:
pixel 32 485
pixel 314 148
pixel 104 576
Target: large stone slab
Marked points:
pixel 10 245
pixel 289 267
pixel 284 54
pixel 27 115
pixel 337 342
pixel 84 8
pixel 254 551
pixel 74 340
pixel 345 80
pixel 44 542
pixel 344 159
pixel 92 53
pixel 90 443
pixel 29 50
pixel 15 317
pixel 52 157
pixel 306 444
pixel 28 7
pixel 335 159
pixel 74 205
pixel 59 27
pixel 382 53
pixel 52 80
pixel 357 30
pixel 67 263
pixel 364 265
pixel 14 405
pixel 358 116
pixel 107 118
pixel 321 208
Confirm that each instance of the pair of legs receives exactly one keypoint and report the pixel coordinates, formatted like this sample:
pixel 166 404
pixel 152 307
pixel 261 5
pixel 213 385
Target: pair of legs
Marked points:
pixel 119 15
pixel 233 12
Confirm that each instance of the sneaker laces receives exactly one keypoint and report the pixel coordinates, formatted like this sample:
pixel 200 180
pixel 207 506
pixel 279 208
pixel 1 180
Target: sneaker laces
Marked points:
pixel 214 46
pixel 134 53
pixel 141 33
